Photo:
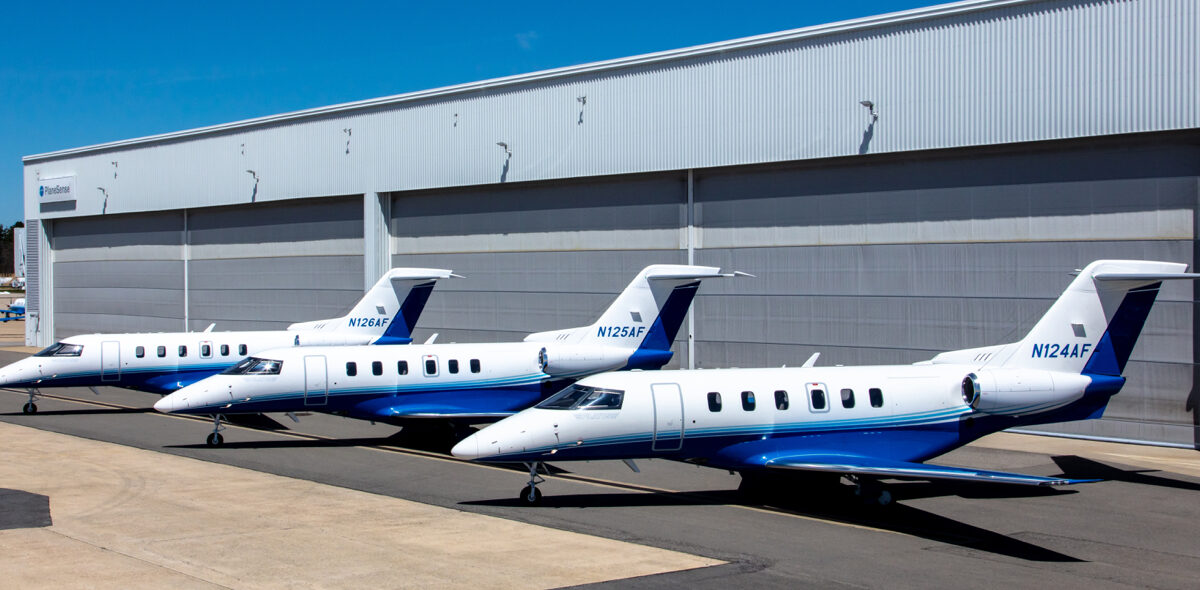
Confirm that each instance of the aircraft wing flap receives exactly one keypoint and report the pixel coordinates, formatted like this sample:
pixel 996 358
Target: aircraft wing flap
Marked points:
pixel 859 465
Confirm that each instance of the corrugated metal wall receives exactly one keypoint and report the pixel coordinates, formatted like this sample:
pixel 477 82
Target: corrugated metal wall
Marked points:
pixel 265 266
pixel 536 257
pixel 1018 72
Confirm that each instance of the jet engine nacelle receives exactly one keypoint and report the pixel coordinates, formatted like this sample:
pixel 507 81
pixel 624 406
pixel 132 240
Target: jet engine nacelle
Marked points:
pixel 567 361
pixel 1013 392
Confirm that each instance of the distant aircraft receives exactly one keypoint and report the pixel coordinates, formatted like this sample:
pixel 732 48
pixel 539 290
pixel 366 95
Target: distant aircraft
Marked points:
pixel 867 423
pixel 460 383
pixel 165 362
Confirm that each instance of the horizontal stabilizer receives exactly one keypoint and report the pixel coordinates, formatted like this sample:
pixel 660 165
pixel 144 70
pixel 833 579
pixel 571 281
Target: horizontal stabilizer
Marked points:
pixel 1145 277
pixel 857 465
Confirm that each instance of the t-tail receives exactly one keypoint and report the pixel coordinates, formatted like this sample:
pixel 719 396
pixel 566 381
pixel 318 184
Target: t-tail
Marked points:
pixel 636 331
pixel 388 312
pixel 1078 348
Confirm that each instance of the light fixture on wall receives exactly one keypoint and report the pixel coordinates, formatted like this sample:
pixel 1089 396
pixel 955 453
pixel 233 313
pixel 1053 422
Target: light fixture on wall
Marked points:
pixel 504 146
pixel 870 109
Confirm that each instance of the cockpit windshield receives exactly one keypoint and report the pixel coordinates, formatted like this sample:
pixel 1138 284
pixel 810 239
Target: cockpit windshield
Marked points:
pixel 61 349
pixel 582 397
pixel 255 366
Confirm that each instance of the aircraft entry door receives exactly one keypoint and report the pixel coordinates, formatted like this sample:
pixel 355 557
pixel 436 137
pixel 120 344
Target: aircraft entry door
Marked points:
pixel 316 381
pixel 110 361
pixel 668 417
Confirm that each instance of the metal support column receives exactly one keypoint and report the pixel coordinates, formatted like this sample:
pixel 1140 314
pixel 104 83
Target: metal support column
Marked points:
pixel 691 259
pixel 377 247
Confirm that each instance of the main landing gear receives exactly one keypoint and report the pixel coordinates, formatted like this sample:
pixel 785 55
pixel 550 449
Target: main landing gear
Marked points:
pixel 530 495
pixel 870 491
pixel 214 438
pixel 30 407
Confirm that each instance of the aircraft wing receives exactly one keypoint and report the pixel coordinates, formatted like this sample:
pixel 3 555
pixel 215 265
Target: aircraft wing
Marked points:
pixel 426 410
pixel 859 465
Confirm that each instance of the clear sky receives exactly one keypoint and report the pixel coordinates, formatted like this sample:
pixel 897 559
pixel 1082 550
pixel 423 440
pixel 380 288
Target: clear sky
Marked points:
pixel 81 73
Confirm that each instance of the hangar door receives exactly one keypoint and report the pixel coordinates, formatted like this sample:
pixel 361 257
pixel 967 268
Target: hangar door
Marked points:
pixel 117 273
pixel 538 256
pixel 267 265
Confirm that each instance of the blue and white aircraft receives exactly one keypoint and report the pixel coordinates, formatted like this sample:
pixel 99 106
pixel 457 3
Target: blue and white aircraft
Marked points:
pixel 460 383
pixel 165 362
pixel 867 423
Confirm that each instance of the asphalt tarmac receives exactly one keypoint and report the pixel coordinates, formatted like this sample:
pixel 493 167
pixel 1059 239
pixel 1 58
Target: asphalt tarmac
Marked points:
pixel 1135 529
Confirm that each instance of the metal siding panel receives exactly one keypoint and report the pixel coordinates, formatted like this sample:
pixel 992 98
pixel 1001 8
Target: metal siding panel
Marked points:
pixel 985 74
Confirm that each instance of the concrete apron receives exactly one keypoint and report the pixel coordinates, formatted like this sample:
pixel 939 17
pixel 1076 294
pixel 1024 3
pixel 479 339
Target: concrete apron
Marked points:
pixel 124 517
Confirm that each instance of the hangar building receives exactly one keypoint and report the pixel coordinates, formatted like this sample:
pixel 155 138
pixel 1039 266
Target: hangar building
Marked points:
pixel 900 185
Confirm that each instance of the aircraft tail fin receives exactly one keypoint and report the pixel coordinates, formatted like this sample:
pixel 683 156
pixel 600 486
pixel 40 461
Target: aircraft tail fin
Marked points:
pixel 645 318
pixel 1094 324
pixel 389 310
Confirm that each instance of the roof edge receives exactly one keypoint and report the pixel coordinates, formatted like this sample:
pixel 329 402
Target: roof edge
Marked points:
pixel 767 39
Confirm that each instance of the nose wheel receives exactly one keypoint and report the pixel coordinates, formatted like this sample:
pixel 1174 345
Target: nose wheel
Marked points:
pixel 530 494
pixel 214 438
pixel 30 407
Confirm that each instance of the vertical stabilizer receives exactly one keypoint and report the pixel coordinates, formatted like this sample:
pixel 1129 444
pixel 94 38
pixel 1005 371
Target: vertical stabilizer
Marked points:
pixel 1094 325
pixel 645 318
pixel 389 311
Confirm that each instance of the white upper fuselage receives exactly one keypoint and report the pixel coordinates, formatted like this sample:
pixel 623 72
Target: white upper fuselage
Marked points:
pixel 841 409
pixel 496 379
pixel 156 362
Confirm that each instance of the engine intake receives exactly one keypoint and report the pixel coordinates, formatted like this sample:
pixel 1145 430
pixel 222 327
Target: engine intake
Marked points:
pixel 1015 392
pixel 568 360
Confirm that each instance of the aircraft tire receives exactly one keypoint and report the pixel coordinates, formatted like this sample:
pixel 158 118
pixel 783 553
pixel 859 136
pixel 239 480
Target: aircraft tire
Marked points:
pixel 29 408
pixel 531 496
pixel 215 439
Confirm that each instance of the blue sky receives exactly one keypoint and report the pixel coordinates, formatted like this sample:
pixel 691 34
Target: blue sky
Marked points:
pixel 76 74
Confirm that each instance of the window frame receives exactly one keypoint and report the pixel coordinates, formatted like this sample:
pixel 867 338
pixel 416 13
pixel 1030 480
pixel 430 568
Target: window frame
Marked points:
pixel 714 401
pixel 847 401
pixel 782 403
pixel 749 401
pixel 813 389
pixel 351 369
pixel 876 396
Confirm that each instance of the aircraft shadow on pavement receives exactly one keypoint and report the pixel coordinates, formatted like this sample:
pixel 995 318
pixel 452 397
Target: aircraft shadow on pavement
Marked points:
pixel 23 510
pixel 87 412
pixel 1073 466
pixel 399 441
pixel 835 505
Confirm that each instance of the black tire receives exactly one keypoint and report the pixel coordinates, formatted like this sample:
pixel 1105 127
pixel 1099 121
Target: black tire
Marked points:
pixel 215 439
pixel 29 408
pixel 531 496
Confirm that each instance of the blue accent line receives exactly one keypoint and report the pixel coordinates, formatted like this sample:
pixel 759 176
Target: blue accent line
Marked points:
pixel 399 331
pixel 655 349
pixel 1115 346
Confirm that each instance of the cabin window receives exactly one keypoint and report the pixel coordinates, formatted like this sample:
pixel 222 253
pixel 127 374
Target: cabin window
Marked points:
pixel 781 400
pixel 475 366
pixel 748 401
pixel 182 351
pixel 431 367
pixel 847 398
pixel 162 351
pixel 818 399
pixel 351 369
pixel 452 365
pixel 241 350
pixel 876 396
pixel 376 368
pixel 224 350
pixel 139 351
pixel 205 350
pixel 714 401
pixel 402 367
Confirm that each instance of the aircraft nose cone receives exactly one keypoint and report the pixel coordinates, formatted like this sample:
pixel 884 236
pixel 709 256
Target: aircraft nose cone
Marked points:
pixel 165 405
pixel 467 448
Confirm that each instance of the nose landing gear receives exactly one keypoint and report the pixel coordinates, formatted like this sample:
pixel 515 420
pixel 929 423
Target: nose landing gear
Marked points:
pixel 530 495
pixel 30 407
pixel 214 438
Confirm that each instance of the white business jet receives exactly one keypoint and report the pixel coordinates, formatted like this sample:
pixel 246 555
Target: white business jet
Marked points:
pixel 867 423
pixel 460 383
pixel 167 361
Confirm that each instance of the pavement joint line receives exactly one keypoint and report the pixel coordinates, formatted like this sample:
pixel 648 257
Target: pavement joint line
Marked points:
pixel 600 482
pixel 135 558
